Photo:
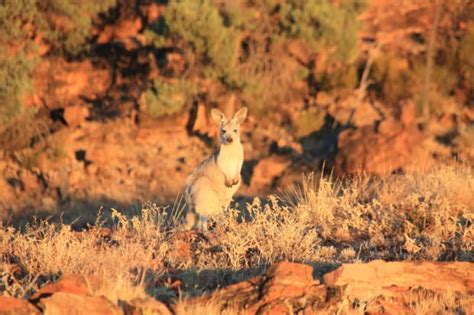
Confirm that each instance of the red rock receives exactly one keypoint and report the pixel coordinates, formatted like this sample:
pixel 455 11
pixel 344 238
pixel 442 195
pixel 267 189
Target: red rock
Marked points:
pixel 30 181
pixel 288 280
pixel 300 50
pixel 365 280
pixel 175 63
pixel 145 307
pixel 380 306
pixel 12 306
pixel 153 11
pixel 76 115
pixel 120 31
pixel 182 247
pixel 202 123
pixel 283 286
pixel 392 145
pixel 267 170
pixel 79 285
pixel 275 309
pixel 377 152
pixel 67 303
pixel 63 83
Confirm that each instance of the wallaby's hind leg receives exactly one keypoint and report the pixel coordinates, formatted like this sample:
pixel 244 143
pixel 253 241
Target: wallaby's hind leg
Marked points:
pixel 202 223
pixel 191 221
pixel 207 204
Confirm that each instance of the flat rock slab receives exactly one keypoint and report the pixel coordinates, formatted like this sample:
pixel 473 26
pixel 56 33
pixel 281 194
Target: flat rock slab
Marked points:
pixel 366 280
pixel 10 306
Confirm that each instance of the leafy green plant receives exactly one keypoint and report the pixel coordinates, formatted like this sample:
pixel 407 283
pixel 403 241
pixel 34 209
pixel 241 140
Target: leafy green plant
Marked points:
pixel 66 26
pixel 15 65
pixel 167 98
pixel 393 78
pixel 324 24
pixel 200 24
pixel 309 121
pixel 466 51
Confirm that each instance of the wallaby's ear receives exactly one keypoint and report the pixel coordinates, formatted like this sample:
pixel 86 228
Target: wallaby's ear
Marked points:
pixel 217 116
pixel 241 115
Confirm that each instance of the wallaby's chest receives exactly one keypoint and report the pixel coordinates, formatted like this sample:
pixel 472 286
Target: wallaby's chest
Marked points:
pixel 230 159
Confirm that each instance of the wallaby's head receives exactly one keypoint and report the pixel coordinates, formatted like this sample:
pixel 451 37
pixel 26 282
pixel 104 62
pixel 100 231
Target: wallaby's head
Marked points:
pixel 229 130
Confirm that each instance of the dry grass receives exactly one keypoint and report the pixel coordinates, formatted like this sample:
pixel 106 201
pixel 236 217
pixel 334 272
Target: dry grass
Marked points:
pixel 400 217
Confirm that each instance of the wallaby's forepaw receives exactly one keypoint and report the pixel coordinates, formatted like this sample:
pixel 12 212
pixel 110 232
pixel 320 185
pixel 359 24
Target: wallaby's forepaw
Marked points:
pixel 232 182
pixel 236 181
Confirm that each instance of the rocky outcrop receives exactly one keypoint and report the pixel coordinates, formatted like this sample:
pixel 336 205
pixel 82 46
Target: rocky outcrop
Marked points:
pixel 59 84
pixel 68 303
pixel 12 306
pixel 286 288
pixel 78 295
pixel 267 170
pixel 379 278
pixel 78 285
pixel 377 287
pixel 391 145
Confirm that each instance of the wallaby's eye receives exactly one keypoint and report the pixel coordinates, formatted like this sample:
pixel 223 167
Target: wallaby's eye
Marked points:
pixel 235 130
pixel 223 130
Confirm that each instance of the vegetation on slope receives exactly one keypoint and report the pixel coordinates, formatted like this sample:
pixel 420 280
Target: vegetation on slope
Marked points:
pixel 399 217
pixel 64 26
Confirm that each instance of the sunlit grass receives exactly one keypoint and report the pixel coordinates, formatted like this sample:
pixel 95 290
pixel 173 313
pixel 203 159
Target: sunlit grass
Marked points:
pixel 398 217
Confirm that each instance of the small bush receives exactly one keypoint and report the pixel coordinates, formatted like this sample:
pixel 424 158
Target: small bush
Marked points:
pixel 200 24
pixel 393 78
pixel 324 24
pixel 15 65
pixel 65 25
pixel 68 24
pixel 466 51
pixel 167 98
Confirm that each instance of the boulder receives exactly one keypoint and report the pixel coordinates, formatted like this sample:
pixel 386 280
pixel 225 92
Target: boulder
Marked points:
pixel 145 306
pixel 122 30
pixel 394 144
pixel 202 123
pixel 153 11
pixel 12 306
pixel 79 285
pixel 64 83
pixel 70 303
pixel 76 115
pixel 267 170
pixel 366 280
pixel 181 249
pixel 379 287
pixel 285 288
pixel 300 50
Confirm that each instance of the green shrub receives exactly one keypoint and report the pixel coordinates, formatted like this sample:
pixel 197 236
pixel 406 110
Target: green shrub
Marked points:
pixel 199 23
pixel 66 26
pixel 14 75
pixel 466 53
pixel 324 24
pixel 393 78
pixel 328 28
pixel 167 98
pixel 15 66
pixel 309 121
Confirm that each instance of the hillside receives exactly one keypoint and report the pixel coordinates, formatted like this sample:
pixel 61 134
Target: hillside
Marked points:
pixel 357 191
pixel 103 108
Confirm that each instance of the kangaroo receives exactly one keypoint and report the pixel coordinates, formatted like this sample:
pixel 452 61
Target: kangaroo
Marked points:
pixel 212 184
